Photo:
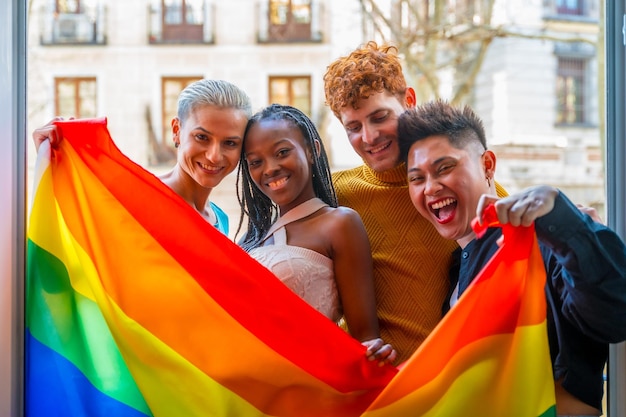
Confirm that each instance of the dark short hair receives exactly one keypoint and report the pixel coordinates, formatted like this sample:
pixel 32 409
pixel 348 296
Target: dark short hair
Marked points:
pixel 459 124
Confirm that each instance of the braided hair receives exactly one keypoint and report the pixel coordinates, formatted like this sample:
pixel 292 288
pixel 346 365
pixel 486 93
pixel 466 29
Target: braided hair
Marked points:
pixel 259 208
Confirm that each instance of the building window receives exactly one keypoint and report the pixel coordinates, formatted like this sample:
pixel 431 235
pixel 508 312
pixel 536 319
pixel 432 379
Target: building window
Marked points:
pixel 289 20
pixel 570 7
pixel 182 20
pixel 75 97
pixel 570 90
pixel 75 22
pixel 162 150
pixel 68 6
pixel 170 89
pixel 293 91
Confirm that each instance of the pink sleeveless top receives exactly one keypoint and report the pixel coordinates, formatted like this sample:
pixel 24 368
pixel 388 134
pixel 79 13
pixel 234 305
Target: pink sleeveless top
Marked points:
pixel 306 272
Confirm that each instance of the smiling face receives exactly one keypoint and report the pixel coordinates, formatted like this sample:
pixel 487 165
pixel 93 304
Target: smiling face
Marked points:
pixel 209 143
pixel 279 162
pixel 372 128
pixel 445 184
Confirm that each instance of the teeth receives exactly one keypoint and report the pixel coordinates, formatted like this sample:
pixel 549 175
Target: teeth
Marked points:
pixel 442 203
pixel 380 148
pixel 209 167
pixel 276 184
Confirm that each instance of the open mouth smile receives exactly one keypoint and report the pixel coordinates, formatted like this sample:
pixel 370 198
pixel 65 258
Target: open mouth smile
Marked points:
pixel 444 209
pixel 210 168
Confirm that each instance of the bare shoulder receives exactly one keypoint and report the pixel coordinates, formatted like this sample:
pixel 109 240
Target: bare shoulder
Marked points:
pixel 343 212
pixel 346 231
pixel 342 218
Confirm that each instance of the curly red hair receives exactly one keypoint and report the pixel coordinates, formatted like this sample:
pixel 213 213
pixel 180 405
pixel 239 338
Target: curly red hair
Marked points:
pixel 367 70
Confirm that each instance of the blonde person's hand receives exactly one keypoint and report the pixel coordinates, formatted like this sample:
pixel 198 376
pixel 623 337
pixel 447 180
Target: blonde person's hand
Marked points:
pixel 591 212
pixel 50 132
pixel 523 208
pixel 378 350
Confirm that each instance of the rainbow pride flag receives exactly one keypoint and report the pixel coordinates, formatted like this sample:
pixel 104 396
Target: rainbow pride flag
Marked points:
pixel 136 306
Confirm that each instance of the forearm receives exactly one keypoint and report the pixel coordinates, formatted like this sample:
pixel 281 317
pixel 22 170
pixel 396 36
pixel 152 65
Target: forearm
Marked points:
pixel 587 269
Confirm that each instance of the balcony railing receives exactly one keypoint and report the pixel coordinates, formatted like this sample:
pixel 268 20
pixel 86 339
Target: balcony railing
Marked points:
pixel 84 28
pixel 302 28
pixel 181 24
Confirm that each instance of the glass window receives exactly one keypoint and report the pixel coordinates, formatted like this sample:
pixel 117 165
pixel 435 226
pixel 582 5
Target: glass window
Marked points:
pixel 172 12
pixel 570 90
pixel 68 6
pixel 75 97
pixel 570 7
pixel 279 11
pixel 193 12
pixel 301 10
pixel 289 20
pixel 283 12
pixel 171 88
pixel 293 91
pixel 183 20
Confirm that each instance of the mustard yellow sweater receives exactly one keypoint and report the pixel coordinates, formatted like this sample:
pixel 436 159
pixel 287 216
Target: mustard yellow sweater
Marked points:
pixel 411 259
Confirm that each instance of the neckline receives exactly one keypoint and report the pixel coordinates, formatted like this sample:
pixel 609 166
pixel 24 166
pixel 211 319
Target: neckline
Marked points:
pixel 395 177
pixel 303 210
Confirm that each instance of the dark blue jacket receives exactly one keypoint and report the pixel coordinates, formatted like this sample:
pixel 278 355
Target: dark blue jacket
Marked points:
pixel 586 292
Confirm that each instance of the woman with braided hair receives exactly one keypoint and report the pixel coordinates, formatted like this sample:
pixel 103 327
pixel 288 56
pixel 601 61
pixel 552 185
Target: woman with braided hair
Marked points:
pixel 296 229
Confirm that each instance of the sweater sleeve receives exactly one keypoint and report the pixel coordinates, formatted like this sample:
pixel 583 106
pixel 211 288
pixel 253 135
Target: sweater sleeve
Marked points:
pixel 586 263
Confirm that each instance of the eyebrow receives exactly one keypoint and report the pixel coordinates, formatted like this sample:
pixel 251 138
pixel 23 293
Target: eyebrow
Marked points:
pixel 435 162
pixel 212 134
pixel 367 115
pixel 278 143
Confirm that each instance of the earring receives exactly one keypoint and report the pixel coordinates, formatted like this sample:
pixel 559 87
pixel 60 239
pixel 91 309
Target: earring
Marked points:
pixel 176 144
pixel 488 181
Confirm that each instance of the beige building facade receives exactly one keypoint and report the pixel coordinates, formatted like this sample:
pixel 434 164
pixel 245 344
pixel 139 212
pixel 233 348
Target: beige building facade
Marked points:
pixel 127 61
pixel 540 98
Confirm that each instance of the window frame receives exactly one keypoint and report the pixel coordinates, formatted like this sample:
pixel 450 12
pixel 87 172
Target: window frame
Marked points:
pixel 291 100
pixel 563 9
pixel 13 39
pixel 77 96
pixel 166 115
pixel 183 31
pixel 291 30
pixel 572 70
pixel 615 161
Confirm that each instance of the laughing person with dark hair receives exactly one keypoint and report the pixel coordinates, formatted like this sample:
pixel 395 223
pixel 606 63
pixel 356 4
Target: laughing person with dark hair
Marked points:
pixel 451 172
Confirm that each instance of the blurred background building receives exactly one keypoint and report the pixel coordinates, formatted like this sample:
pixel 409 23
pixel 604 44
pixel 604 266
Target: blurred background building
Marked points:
pixel 529 67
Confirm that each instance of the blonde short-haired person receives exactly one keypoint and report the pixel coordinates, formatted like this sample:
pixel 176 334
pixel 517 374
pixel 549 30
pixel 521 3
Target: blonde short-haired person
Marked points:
pixel 451 173
pixel 208 134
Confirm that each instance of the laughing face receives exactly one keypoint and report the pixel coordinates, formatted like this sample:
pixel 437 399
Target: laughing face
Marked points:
pixel 445 184
pixel 279 162
pixel 209 143
pixel 372 128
